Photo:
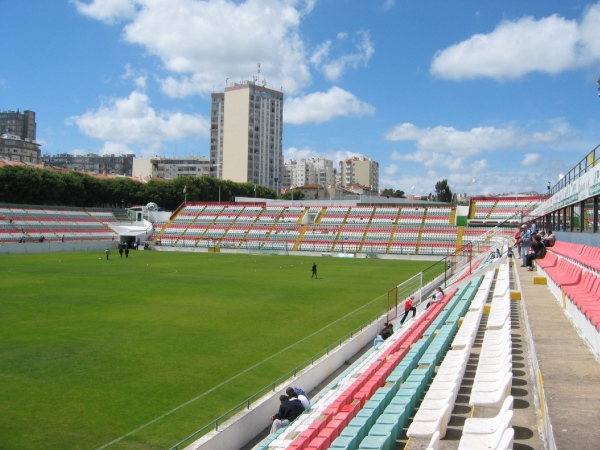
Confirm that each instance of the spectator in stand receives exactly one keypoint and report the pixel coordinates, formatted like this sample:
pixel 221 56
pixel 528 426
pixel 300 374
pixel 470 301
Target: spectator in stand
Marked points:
pixel 549 240
pixel 288 412
pixel 518 241
pixel 436 298
pixel 533 227
pixel 295 397
pixel 387 331
pixel 408 307
pixel 535 252
pixel 525 242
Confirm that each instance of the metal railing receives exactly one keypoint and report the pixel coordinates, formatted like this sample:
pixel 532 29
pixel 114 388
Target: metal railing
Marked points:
pixel 589 161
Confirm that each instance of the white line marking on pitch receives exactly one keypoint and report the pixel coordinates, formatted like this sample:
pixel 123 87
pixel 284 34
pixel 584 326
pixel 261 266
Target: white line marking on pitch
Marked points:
pixel 233 377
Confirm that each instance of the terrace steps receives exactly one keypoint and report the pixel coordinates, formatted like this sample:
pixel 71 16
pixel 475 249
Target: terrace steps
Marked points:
pixel 421 228
pixel 371 217
pixel 320 216
pixel 230 225
pixel 245 237
pixel 184 231
pixel 165 226
pixel 205 231
pixel 362 241
pixel 300 237
pixel 472 208
pixel 452 220
pixel 301 218
pixel 269 232
pixel 337 238
pixel 392 235
pixel 492 210
pixel 459 237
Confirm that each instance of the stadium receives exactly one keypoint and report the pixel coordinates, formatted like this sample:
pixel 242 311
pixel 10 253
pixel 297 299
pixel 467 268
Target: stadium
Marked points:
pixel 190 343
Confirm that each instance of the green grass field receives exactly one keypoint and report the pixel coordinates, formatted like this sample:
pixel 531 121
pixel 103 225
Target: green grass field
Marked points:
pixel 91 350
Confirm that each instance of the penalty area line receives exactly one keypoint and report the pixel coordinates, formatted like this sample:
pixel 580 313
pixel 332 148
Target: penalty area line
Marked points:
pixel 223 383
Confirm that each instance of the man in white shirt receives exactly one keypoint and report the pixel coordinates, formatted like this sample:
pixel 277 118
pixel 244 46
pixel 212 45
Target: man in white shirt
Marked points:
pixel 291 393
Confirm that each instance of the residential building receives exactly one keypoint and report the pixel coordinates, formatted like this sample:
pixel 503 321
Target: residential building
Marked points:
pixel 19 124
pixel 246 134
pixel 13 148
pixel 91 162
pixel 308 172
pixel 359 170
pixel 170 168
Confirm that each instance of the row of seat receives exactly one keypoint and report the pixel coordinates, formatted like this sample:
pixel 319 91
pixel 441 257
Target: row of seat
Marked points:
pixel 435 410
pixel 394 403
pixel 575 285
pixel 491 423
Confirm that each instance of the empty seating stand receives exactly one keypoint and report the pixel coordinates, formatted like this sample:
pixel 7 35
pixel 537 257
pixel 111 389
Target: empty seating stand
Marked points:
pixel 574 279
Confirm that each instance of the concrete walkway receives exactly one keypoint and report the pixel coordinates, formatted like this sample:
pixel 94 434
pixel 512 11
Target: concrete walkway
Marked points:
pixel 571 374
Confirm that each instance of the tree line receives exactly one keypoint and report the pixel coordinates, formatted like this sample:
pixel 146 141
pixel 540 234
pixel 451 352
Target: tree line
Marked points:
pixel 27 185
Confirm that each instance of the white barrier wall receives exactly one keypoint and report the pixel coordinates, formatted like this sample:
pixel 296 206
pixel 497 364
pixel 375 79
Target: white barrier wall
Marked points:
pixel 50 247
pixel 240 429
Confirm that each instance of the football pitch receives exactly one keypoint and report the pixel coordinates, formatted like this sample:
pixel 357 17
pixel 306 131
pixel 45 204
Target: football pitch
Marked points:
pixel 139 353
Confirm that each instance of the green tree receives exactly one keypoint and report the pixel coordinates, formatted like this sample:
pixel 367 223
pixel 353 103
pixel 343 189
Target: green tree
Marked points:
pixel 394 194
pixel 298 195
pixel 443 192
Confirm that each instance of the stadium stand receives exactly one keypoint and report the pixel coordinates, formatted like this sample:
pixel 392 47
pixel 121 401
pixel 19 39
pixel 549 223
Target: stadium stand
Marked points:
pixel 408 386
pixel 54 224
pixel 359 229
pixel 573 277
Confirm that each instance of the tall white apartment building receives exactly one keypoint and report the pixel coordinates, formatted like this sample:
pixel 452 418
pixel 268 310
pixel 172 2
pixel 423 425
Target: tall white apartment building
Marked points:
pixel 246 135
pixel 308 172
pixel 361 171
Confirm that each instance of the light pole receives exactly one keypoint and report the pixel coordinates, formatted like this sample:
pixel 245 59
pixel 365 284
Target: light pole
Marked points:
pixel 412 196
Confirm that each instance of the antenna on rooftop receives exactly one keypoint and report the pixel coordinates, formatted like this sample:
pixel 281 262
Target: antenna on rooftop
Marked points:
pixel 258 77
pixel 226 81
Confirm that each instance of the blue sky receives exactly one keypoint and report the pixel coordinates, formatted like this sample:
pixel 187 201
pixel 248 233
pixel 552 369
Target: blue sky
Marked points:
pixel 493 96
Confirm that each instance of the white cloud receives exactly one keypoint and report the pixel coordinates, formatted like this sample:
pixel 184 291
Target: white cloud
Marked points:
pixel 203 43
pixel 471 142
pixel 531 159
pixel 131 119
pixel 115 148
pixel 335 68
pixel 139 78
pixel 390 170
pixel 305 153
pixel 388 4
pixel 108 11
pixel 324 106
pixel 550 45
pixel 429 159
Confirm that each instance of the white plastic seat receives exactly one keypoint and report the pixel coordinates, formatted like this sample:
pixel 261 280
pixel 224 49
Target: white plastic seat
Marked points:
pixel 490 441
pixel 506 443
pixel 494 365
pixel 487 377
pixel 488 425
pixel 426 422
pixel 491 394
pixel 434 444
